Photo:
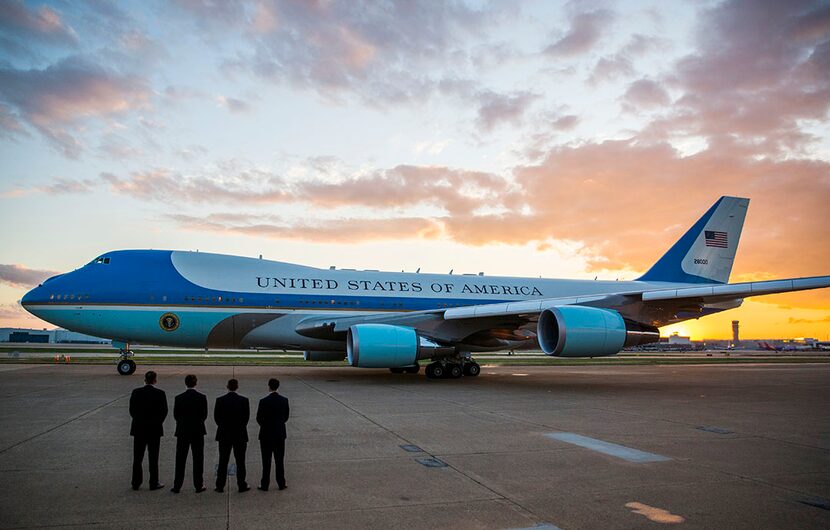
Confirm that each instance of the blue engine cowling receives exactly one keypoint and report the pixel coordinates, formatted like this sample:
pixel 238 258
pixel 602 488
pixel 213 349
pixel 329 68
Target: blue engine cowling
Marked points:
pixel 386 346
pixel 578 331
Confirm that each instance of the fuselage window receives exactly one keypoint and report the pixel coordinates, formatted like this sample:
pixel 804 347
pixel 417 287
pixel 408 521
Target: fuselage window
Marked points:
pixel 51 297
pixel 220 298
pixel 241 300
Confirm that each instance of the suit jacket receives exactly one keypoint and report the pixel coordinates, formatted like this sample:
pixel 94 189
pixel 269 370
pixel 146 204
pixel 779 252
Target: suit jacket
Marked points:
pixel 231 414
pixel 271 415
pixel 190 410
pixel 148 408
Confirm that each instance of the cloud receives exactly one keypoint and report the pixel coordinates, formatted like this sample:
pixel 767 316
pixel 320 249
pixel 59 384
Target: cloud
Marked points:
pixel 20 276
pixel 565 123
pixel 610 69
pixel 58 99
pixel 331 231
pixel 377 51
pixel 233 105
pixel 27 26
pixel 13 316
pixel 495 108
pixel 586 30
pixel 645 94
pixel 752 58
pixel 453 190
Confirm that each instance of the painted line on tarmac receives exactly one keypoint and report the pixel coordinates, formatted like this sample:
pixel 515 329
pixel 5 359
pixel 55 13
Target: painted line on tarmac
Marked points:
pixel 540 526
pixel 658 515
pixel 608 448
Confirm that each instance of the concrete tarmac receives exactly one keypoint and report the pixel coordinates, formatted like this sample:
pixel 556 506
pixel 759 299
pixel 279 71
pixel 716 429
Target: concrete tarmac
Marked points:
pixel 732 446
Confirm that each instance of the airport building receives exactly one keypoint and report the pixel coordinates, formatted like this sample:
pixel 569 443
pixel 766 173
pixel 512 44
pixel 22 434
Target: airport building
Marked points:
pixel 48 336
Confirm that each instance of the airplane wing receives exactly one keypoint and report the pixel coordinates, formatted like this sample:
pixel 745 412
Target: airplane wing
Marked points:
pixel 706 295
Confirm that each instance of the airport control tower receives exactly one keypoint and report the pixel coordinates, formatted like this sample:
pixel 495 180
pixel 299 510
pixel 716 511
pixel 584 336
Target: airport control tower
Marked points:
pixel 736 341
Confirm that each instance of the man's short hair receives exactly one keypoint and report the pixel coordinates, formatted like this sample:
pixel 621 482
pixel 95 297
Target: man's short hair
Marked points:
pixel 273 383
pixel 190 381
pixel 233 384
pixel 150 377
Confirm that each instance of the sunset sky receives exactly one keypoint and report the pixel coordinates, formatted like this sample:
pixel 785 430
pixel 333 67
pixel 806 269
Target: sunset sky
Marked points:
pixel 555 139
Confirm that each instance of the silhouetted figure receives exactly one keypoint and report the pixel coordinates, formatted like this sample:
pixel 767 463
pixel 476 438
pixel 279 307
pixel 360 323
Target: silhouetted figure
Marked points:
pixel 231 414
pixel 271 416
pixel 148 408
pixel 190 411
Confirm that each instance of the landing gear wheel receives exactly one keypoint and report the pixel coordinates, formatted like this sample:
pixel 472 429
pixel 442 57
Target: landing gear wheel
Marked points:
pixel 472 369
pixel 435 371
pixel 454 371
pixel 414 369
pixel 126 367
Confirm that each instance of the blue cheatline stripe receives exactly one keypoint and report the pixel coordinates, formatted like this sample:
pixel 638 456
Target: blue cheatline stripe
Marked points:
pixel 619 451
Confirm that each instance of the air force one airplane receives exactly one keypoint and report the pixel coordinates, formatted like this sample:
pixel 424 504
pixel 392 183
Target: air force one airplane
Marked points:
pixel 394 320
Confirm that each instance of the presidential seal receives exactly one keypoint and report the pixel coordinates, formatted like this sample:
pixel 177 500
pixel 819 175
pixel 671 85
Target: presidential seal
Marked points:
pixel 169 322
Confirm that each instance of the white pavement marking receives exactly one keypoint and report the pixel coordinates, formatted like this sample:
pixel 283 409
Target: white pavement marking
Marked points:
pixel 608 448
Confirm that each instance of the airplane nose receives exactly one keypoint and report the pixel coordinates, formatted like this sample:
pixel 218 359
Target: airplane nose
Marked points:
pixel 29 297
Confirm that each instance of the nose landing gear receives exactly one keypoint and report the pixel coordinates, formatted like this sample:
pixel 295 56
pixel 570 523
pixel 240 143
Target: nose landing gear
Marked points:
pixel 126 366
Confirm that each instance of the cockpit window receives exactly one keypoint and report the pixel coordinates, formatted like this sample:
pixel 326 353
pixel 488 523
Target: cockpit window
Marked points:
pixel 102 260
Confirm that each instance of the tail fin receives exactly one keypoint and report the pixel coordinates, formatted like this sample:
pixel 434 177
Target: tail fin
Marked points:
pixel 706 252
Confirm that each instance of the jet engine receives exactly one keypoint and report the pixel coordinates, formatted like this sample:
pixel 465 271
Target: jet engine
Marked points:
pixel 386 346
pixel 578 331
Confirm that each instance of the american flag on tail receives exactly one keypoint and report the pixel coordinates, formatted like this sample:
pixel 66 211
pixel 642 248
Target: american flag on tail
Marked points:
pixel 716 239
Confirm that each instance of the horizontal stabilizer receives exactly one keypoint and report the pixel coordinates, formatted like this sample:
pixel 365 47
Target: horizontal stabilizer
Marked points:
pixel 739 290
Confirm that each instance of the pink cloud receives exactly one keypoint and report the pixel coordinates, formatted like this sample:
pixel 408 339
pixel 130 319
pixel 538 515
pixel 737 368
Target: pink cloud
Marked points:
pixel 645 94
pixel 585 31
pixel 65 94
pixel 43 24
pixel 20 276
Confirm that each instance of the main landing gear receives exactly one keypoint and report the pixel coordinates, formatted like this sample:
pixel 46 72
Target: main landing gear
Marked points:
pixel 126 366
pixel 452 369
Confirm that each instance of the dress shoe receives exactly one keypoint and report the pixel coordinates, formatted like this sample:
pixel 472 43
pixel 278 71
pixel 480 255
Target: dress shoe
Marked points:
pixel 219 490
pixel 201 489
pixel 283 487
pixel 243 489
pixel 175 490
pixel 260 488
pixel 156 487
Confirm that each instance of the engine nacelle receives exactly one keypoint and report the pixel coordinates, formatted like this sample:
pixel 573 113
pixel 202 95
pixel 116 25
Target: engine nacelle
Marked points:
pixel 324 356
pixel 578 331
pixel 386 346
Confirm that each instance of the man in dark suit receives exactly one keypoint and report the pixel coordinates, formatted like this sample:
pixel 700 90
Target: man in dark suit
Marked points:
pixel 232 413
pixel 148 408
pixel 271 416
pixel 190 410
